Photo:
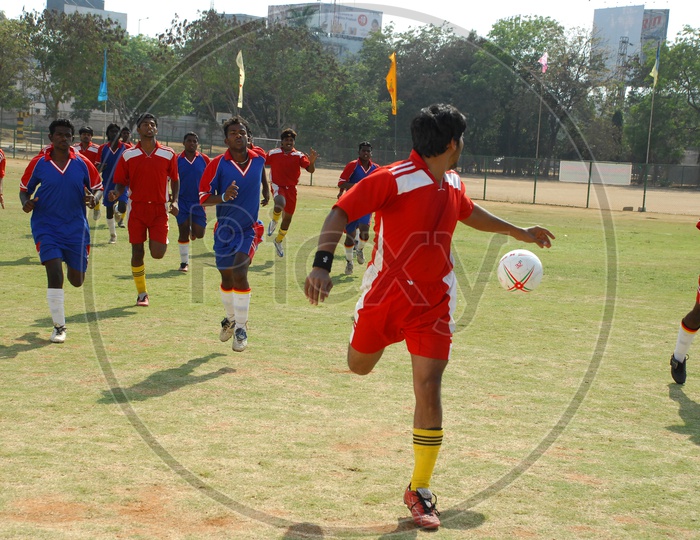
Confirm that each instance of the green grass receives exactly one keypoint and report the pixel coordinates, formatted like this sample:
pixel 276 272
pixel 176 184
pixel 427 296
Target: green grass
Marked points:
pixel 560 419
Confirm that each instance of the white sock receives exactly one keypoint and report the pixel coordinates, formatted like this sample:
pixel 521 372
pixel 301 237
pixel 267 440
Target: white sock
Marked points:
pixel 360 245
pixel 227 299
pixel 685 339
pixel 348 253
pixel 112 226
pixel 241 303
pixel 184 252
pixel 56 306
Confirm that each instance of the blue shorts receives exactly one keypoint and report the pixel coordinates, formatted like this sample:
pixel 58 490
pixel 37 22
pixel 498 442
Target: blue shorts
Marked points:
pixel 109 204
pixel 364 220
pixel 192 211
pixel 246 242
pixel 74 255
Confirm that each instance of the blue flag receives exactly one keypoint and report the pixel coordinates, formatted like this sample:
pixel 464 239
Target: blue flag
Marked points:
pixel 102 96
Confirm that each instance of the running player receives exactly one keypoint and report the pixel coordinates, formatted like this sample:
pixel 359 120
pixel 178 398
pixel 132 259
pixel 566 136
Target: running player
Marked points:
pixel 356 232
pixel 285 165
pixel 233 182
pixel 110 152
pixel 56 186
pixel 146 170
pixel 89 150
pixel 408 290
pixel 3 162
pixel 191 218
pixel 690 324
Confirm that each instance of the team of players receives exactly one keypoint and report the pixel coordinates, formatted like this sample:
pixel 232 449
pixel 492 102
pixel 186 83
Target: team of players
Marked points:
pixel 408 289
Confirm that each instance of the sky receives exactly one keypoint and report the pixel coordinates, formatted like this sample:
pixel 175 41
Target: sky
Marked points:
pixel 153 17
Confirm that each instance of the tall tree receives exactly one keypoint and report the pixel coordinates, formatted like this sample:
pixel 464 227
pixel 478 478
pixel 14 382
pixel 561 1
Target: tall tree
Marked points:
pixel 14 57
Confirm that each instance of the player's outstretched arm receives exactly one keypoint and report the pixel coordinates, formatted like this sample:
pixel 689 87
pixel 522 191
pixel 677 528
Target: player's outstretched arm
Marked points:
pixel 318 283
pixel 483 220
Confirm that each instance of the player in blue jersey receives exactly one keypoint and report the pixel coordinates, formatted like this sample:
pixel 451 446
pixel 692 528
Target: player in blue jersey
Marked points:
pixel 233 182
pixel 191 219
pixel 356 232
pixel 109 155
pixel 55 188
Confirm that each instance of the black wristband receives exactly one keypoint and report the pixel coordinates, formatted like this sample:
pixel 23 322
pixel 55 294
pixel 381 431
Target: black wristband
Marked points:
pixel 323 259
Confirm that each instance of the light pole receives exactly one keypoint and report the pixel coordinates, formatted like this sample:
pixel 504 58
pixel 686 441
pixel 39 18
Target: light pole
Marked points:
pixel 139 27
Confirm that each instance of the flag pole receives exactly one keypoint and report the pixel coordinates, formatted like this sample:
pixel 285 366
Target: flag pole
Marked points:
pixel 655 74
pixel 543 61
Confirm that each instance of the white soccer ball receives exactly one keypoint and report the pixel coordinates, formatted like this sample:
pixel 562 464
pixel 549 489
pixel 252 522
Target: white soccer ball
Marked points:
pixel 519 270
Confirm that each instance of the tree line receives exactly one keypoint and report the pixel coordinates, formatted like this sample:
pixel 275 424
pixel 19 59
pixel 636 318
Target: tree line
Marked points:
pixel 578 109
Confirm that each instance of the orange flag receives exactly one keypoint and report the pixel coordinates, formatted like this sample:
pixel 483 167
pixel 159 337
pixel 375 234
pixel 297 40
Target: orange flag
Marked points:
pixel 391 82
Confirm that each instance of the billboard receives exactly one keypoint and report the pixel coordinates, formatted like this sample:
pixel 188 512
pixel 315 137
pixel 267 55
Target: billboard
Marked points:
pixel 617 32
pixel 330 19
pixel 654 29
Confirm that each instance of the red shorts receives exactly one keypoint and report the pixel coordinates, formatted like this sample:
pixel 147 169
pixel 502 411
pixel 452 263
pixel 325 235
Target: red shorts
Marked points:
pixel 290 196
pixel 391 310
pixel 148 220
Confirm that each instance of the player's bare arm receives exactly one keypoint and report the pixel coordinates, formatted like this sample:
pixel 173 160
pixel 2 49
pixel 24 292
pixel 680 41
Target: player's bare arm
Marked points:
pixel 483 220
pixel 313 155
pixel 116 192
pixel 27 202
pixel 90 200
pixel 230 193
pixel 265 189
pixel 174 194
pixel 318 283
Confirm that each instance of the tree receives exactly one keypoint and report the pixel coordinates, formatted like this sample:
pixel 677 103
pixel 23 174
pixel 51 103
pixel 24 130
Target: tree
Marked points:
pixel 13 59
pixel 66 52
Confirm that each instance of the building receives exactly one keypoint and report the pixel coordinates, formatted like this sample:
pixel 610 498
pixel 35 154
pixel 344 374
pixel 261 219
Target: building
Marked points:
pixel 340 28
pixel 86 7
pixel 622 33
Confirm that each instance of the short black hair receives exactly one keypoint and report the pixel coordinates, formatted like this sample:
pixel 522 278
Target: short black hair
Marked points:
pixel 434 127
pixel 125 128
pixel 86 129
pixel 61 122
pixel 364 144
pixel 289 132
pixel 111 127
pixel 190 134
pixel 235 120
pixel 146 116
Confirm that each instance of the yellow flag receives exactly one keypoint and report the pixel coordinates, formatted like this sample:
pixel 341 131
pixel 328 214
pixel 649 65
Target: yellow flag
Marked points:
pixel 241 77
pixel 391 82
pixel 655 70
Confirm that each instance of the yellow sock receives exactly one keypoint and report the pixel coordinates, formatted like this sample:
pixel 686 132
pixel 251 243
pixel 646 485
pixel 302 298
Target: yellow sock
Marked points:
pixel 280 235
pixel 139 274
pixel 276 215
pixel 426 446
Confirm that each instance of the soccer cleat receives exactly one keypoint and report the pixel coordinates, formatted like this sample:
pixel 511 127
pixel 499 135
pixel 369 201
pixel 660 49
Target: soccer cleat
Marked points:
pixel 58 335
pixel 112 239
pixel 678 369
pixel 240 340
pixel 142 300
pixel 348 268
pixel 360 256
pixel 184 267
pixel 120 223
pixel 422 506
pixel 278 248
pixel 96 212
pixel 271 227
pixel 227 328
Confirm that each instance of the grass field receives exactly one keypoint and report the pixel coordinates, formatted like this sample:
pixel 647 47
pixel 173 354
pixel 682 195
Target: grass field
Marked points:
pixel 561 419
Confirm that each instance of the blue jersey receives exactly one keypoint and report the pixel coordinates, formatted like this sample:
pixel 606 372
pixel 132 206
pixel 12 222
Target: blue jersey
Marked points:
pixel 60 207
pixel 108 159
pixel 190 174
pixel 354 172
pixel 241 213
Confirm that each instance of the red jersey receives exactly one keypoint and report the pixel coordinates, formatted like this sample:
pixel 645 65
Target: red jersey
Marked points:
pixel 258 150
pixel 285 169
pixel 415 217
pixel 92 152
pixel 2 164
pixel 147 175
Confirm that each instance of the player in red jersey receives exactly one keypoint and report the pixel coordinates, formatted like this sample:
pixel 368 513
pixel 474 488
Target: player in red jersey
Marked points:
pixel 91 151
pixel 55 188
pixel 285 165
pixel 3 162
pixel 146 170
pixel 125 136
pixel 409 288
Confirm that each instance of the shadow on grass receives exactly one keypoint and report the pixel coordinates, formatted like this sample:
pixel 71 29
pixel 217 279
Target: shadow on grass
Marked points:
pixel 689 411
pixel 79 318
pixel 24 261
pixel 163 382
pixel 452 519
pixel 32 341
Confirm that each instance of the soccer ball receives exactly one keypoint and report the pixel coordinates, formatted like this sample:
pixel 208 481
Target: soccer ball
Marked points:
pixel 519 270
